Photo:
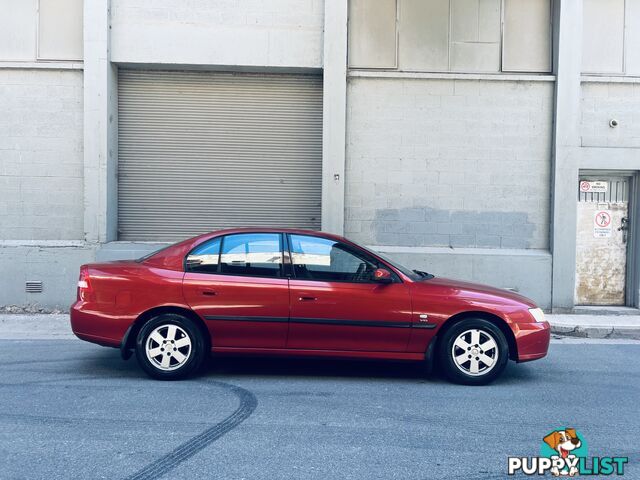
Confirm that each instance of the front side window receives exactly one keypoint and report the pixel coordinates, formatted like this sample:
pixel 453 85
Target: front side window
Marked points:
pixel 315 258
pixel 204 258
pixel 252 254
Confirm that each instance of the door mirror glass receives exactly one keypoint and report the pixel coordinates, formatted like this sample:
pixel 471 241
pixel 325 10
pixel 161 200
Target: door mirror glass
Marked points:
pixel 382 275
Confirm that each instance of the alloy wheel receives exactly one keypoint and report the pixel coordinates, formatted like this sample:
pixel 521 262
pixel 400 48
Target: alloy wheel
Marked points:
pixel 168 347
pixel 475 352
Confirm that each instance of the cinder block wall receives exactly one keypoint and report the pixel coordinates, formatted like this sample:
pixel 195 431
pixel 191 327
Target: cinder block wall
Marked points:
pixel 602 102
pixel 41 164
pixel 449 163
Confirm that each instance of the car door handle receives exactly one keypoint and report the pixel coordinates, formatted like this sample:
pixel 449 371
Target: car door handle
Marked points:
pixel 307 299
pixel 209 293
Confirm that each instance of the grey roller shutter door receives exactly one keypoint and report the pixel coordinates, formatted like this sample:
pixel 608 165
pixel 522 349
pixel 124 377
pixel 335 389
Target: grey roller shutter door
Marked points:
pixel 202 151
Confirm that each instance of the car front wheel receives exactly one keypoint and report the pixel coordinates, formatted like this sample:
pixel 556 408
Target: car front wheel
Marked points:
pixel 170 347
pixel 473 352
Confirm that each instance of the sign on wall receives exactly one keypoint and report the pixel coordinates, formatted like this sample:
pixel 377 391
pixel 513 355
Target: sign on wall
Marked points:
pixel 602 224
pixel 593 187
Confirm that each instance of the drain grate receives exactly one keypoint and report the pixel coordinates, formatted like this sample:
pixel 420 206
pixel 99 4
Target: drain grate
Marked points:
pixel 33 286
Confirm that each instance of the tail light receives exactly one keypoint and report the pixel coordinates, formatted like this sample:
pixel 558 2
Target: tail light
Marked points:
pixel 84 284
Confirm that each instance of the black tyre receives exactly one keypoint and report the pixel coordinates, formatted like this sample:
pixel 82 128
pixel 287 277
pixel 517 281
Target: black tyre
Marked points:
pixel 473 352
pixel 170 347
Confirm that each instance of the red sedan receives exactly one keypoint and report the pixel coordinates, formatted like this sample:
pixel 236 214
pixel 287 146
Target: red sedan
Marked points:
pixel 299 293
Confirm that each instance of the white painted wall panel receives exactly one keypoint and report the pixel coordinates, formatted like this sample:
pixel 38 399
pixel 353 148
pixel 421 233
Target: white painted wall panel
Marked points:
pixel 475 20
pixel 60 30
pixel 527 36
pixel 603 36
pixel 489 18
pixel 372 33
pixel 423 35
pixel 283 33
pixel 632 39
pixel 464 20
pixel 475 57
pixel 18 29
pixel 475 36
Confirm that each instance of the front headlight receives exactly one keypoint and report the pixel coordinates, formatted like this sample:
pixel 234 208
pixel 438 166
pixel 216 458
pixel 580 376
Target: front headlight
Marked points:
pixel 537 314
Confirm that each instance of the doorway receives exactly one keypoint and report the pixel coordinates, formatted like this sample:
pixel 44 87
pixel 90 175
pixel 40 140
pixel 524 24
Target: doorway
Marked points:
pixel 603 239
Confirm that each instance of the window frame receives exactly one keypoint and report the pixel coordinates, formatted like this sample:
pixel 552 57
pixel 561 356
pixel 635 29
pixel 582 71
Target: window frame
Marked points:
pixel 282 271
pixel 350 248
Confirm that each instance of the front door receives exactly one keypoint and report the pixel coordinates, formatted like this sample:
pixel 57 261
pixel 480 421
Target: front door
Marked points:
pixel 335 304
pixel 603 236
pixel 237 284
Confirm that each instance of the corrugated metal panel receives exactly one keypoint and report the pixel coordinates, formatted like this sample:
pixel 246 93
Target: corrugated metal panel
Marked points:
pixel 617 190
pixel 201 151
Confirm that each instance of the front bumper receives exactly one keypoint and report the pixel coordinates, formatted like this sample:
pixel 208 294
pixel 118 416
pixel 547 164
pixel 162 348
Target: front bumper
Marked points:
pixel 532 339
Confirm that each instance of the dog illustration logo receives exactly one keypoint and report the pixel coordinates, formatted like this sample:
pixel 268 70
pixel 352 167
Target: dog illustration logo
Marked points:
pixel 563 453
pixel 565 443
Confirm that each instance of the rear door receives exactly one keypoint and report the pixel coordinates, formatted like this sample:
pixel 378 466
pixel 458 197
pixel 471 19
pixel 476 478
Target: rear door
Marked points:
pixel 335 304
pixel 237 284
pixel 602 239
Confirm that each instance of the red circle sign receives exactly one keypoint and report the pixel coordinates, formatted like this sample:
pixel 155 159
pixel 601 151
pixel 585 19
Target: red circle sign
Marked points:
pixel 603 219
pixel 585 186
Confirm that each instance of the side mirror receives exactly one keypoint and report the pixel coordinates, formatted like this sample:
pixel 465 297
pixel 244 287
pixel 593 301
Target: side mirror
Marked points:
pixel 382 275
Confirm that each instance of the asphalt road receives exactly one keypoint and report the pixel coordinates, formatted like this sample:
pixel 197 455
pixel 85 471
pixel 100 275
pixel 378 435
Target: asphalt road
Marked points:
pixel 69 409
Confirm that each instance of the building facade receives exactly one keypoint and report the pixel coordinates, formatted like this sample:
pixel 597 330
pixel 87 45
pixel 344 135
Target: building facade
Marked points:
pixel 495 141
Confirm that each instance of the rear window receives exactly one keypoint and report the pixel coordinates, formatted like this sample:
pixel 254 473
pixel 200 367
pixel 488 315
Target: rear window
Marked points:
pixel 205 258
pixel 252 254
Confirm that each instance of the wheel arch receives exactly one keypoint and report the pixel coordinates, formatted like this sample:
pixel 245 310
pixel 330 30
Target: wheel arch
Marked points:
pixel 129 340
pixel 495 319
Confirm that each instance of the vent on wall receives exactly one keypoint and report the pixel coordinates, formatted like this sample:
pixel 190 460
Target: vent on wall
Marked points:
pixel 33 286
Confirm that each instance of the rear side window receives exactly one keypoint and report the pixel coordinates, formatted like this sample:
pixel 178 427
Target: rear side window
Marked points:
pixel 205 258
pixel 252 254
pixel 316 258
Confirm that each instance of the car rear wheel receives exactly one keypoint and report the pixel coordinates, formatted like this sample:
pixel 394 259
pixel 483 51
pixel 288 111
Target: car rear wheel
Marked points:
pixel 170 347
pixel 473 352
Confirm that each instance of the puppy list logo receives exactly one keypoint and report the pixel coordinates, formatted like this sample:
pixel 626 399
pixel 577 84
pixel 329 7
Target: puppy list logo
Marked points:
pixel 563 452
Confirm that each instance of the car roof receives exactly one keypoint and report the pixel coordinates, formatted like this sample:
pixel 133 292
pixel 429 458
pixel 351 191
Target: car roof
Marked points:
pixel 172 256
pixel 299 231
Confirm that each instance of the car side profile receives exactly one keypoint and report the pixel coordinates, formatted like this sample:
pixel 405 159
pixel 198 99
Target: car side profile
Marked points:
pixel 294 292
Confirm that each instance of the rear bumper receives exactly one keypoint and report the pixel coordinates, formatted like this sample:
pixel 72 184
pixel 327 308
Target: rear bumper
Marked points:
pixel 97 328
pixel 532 340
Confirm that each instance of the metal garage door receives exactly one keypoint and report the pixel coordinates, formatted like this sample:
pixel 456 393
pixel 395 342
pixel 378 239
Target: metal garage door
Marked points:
pixel 201 151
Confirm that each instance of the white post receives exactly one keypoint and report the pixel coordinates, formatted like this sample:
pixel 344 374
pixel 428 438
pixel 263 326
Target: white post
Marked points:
pixel 100 129
pixel 334 115
pixel 566 148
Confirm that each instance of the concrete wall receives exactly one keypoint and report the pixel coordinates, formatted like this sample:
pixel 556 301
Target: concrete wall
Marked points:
pixel 41 164
pixel 452 163
pixel 601 102
pixel 57 266
pixel 525 271
pixel 277 33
